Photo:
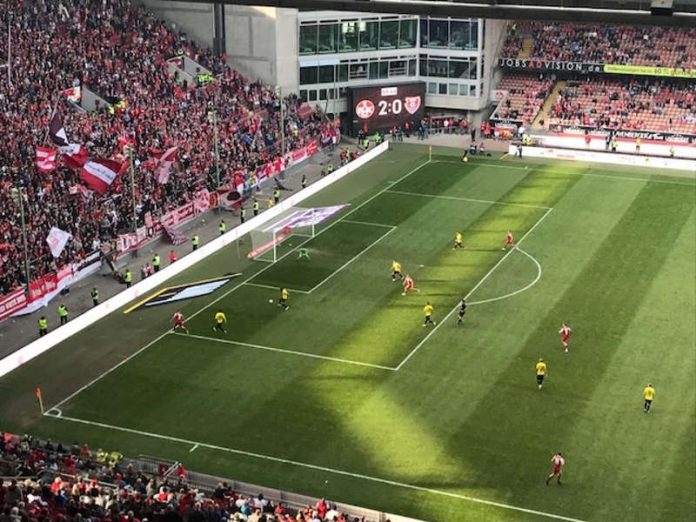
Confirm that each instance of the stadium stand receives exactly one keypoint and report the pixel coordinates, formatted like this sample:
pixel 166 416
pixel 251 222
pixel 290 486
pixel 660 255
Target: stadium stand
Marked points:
pixel 604 43
pixel 47 481
pixel 120 52
pixel 526 95
pixel 633 104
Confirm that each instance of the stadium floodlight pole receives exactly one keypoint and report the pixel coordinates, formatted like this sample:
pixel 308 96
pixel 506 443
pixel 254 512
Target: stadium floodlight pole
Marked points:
pixel 132 184
pixel 20 201
pixel 212 118
pixel 279 93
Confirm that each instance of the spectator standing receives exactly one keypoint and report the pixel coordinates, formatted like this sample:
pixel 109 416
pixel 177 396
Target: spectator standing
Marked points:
pixel 172 256
pixel 63 314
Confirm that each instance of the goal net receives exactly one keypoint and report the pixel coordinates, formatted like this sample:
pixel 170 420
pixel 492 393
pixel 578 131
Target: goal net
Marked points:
pixel 291 229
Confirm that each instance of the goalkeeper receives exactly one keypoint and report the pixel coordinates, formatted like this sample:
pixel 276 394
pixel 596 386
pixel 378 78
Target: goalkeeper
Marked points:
pixel 303 253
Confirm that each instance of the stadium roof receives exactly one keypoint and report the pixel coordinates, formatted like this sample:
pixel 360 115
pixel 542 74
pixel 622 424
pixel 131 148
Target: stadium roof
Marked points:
pixel 613 11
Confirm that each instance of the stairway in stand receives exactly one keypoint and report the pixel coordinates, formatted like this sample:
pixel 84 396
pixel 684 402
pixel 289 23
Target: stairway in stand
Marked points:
pixel 527 48
pixel 548 104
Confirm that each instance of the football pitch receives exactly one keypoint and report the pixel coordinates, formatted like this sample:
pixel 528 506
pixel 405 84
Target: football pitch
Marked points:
pixel 346 395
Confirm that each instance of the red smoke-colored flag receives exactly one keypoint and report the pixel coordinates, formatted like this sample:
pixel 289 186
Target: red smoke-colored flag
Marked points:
pixel 100 173
pixel 164 165
pixel 46 159
pixel 56 131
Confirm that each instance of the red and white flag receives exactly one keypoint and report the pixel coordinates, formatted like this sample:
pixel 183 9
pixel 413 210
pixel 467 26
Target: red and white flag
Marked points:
pixel 100 173
pixel 56 131
pixel 57 239
pixel 81 190
pixel 74 94
pixel 164 165
pixel 74 155
pixel 46 159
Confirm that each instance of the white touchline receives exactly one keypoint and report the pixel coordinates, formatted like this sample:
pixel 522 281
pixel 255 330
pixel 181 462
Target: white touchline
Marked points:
pixel 456 198
pixel 518 291
pixel 324 469
pixel 618 177
pixel 476 286
pixel 248 279
pixel 368 247
pixel 285 351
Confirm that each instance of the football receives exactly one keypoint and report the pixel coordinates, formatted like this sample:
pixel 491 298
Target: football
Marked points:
pixel 270 300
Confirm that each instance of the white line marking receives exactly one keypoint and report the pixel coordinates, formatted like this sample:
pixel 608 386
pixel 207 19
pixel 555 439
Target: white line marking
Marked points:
pixel 456 198
pixel 277 288
pixel 124 361
pixel 504 156
pixel 107 372
pixel 368 223
pixel 368 247
pixel 322 469
pixel 519 291
pixel 195 447
pixel 481 281
pixel 288 352
pixel 619 177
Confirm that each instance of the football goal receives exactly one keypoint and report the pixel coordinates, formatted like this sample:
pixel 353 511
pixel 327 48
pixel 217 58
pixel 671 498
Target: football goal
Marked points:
pixel 283 233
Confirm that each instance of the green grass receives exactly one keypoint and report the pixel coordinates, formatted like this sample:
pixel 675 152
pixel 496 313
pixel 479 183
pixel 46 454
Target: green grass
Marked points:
pixel 347 396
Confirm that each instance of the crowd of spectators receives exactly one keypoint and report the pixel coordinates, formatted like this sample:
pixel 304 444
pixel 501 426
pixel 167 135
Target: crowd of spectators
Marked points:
pixel 120 51
pixel 605 43
pixel 525 97
pixel 635 104
pixel 58 483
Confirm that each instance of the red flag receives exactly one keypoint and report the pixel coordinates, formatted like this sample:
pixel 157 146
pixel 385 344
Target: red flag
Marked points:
pixel 100 173
pixel 164 165
pixel 46 159
pixel 74 155
pixel 125 141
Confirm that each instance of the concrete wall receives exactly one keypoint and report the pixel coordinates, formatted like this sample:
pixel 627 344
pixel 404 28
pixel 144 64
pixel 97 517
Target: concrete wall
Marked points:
pixel 196 20
pixel 493 42
pixel 262 44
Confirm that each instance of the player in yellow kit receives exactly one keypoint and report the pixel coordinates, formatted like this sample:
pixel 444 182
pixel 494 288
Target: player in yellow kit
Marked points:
pixel 457 241
pixel 220 321
pixel 541 372
pixel 396 270
pixel 428 312
pixel 283 300
pixel 648 395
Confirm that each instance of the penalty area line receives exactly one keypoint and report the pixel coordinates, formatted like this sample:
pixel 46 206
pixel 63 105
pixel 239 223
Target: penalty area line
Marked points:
pixel 476 287
pixel 279 460
pixel 285 351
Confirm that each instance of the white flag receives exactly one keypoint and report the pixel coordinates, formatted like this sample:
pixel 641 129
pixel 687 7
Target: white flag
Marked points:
pixel 57 239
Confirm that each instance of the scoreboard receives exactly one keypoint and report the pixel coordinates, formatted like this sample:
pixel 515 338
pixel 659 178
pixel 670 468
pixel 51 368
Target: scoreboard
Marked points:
pixel 381 107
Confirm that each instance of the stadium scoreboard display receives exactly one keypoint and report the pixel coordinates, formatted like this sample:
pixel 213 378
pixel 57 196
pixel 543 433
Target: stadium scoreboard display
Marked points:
pixel 381 107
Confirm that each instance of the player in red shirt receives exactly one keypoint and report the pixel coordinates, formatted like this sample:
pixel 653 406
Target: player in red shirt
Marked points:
pixel 509 241
pixel 409 285
pixel 178 320
pixel 565 334
pixel 557 463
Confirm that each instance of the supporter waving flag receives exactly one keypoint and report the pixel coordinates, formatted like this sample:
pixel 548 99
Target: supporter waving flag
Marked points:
pixel 100 173
pixel 164 165
pixel 57 239
pixel 46 159
pixel 74 155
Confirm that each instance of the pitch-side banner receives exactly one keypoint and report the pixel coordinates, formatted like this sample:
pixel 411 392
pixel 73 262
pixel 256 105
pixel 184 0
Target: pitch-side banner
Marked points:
pixel 642 70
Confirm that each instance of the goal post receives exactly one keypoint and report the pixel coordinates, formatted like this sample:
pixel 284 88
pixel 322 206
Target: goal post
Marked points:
pixel 273 239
